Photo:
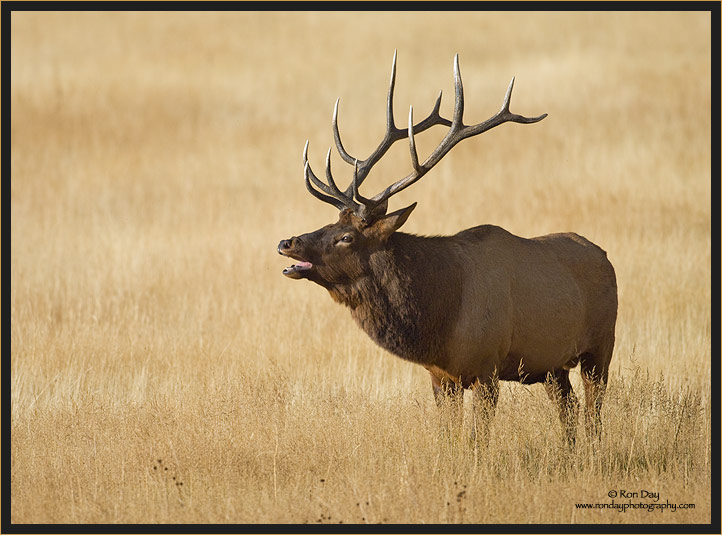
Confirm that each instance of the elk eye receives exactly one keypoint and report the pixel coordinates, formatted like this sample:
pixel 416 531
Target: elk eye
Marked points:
pixel 346 238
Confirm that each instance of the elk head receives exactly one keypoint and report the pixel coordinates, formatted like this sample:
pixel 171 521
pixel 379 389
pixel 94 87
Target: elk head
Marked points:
pixel 339 253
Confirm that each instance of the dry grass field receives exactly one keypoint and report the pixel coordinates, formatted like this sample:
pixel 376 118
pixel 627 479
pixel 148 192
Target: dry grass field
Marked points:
pixel 163 370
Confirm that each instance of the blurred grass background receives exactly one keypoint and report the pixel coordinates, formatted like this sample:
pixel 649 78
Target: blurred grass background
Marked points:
pixel 156 163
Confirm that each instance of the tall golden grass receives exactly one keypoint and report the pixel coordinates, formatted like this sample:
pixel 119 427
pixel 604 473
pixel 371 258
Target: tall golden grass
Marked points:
pixel 163 370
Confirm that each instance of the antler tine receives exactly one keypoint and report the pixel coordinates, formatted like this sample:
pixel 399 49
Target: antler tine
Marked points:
pixel 412 142
pixel 457 121
pixel 309 173
pixel 337 136
pixel 390 126
pixel 434 117
pixel 329 177
pixel 334 197
pixel 507 96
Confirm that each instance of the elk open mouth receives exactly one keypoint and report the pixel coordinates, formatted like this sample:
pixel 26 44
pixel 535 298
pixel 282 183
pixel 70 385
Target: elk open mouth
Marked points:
pixel 290 248
pixel 295 271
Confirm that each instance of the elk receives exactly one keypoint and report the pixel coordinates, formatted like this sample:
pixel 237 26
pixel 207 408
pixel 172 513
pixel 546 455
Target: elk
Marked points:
pixel 474 308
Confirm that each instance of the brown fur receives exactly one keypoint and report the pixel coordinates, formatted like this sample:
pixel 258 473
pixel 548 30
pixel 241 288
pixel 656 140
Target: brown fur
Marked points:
pixel 476 307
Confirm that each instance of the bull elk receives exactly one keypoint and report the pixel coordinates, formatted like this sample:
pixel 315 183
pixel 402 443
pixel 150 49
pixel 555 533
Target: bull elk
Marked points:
pixel 474 308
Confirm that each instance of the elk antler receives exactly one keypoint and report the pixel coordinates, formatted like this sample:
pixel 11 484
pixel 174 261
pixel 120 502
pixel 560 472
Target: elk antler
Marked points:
pixel 362 206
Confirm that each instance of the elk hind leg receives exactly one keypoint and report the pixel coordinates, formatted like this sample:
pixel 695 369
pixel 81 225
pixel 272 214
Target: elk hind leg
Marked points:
pixel 559 389
pixel 595 371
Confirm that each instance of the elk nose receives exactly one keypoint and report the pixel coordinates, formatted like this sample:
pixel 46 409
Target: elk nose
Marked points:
pixel 285 244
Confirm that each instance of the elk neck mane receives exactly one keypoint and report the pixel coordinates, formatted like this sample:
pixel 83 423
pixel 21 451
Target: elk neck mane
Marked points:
pixel 401 300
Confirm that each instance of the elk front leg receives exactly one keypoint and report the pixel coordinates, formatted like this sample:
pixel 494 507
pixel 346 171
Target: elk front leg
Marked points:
pixel 485 396
pixel 449 398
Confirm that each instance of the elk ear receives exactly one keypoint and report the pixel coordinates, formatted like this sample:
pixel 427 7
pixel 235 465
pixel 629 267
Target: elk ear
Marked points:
pixel 390 223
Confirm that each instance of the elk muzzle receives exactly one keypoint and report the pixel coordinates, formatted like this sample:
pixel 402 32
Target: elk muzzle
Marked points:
pixel 290 248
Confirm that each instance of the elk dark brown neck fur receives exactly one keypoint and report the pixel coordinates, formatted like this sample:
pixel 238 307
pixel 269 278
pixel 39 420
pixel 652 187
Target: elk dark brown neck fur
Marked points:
pixel 400 302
